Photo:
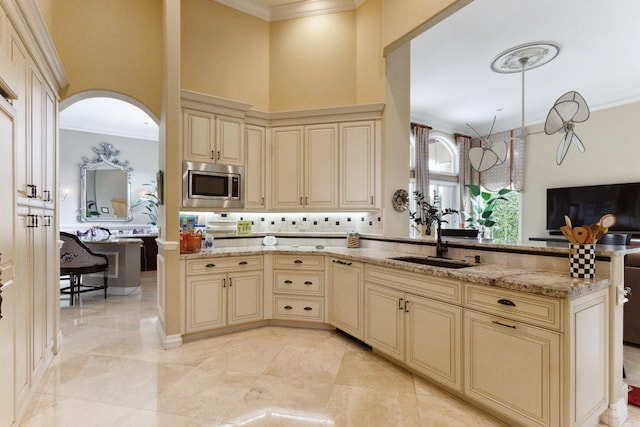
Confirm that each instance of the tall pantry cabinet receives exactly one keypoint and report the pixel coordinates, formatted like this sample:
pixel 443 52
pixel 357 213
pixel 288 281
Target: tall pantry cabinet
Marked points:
pixel 30 77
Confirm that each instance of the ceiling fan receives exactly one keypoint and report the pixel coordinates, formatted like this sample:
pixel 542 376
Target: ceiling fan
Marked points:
pixel 520 58
pixel 569 109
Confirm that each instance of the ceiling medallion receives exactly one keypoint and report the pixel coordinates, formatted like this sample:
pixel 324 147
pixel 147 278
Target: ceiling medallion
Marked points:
pixel 525 56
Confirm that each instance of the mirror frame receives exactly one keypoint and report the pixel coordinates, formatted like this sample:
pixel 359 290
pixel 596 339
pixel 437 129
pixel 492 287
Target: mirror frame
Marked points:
pixel 106 155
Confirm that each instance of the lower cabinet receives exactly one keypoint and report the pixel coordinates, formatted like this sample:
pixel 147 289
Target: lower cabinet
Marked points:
pixel 422 333
pixel 216 300
pixel 513 368
pixel 346 296
pixel 298 286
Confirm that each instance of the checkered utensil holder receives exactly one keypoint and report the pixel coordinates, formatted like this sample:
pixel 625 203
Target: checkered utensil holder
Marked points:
pixel 582 261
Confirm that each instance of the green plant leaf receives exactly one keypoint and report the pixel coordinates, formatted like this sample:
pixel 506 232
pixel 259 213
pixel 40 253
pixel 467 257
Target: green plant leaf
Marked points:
pixel 474 189
pixel 486 214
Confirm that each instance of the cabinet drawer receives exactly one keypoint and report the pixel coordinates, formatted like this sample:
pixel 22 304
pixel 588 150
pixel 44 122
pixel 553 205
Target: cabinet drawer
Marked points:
pixel 299 282
pixel 307 262
pixel 310 309
pixel 439 288
pixel 225 264
pixel 532 309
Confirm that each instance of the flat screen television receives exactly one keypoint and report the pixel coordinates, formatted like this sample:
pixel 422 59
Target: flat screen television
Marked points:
pixel 586 205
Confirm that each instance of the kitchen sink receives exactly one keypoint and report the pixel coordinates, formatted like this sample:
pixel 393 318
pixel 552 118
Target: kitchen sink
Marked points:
pixel 436 262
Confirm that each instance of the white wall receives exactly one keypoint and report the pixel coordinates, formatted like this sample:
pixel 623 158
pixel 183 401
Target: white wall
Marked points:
pixel 74 145
pixel 612 141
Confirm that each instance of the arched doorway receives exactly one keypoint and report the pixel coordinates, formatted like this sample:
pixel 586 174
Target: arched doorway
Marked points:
pixel 89 122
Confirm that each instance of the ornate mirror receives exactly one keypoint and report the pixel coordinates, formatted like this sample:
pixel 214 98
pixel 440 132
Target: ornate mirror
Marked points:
pixel 105 187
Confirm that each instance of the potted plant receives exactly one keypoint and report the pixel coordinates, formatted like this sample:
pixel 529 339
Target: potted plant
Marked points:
pixel 150 202
pixel 431 214
pixel 483 203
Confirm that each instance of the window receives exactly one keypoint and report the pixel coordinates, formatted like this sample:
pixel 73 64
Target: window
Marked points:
pixel 443 174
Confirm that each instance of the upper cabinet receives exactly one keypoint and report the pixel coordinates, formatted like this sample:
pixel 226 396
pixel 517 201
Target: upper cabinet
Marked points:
pixel 357 165
pixel 305 167
pixel 213 129
pixel 255 167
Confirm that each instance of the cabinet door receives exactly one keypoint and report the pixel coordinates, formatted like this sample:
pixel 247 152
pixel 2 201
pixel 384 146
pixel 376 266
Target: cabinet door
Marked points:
pixel 206 302
pixel 357 165
pixel 321 167
pixel 434 340
pixel 22 154
pixel 384 320
pixel 199 132
pixel 229 147
pixel 254 172
pixel 346 297
pixel 35 135
pixel 287 168
pixel 38 296
pixel 23 278
pixel 245 297
pixel 513 368
pixel 50 145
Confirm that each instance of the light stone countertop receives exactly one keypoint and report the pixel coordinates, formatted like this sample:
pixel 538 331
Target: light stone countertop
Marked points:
pixel 112 241
pixel 548 283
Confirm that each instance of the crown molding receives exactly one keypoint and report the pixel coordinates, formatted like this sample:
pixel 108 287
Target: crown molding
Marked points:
pixel 295 9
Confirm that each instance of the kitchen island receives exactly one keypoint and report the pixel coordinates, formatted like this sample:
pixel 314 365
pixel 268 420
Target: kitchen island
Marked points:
pixel 513 334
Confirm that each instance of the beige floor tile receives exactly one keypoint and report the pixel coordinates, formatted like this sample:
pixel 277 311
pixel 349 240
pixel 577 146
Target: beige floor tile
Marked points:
pixel 78 412
pixel 365 369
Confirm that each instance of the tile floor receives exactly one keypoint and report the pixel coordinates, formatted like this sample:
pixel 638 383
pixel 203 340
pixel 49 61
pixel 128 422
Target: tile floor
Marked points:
pixel 112 371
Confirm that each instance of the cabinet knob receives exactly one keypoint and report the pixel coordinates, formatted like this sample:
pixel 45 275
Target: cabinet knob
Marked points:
pixel 308 308
pixel 288 307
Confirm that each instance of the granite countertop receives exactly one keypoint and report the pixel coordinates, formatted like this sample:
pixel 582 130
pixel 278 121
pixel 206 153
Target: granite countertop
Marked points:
pixel 548 283
pixel 115 241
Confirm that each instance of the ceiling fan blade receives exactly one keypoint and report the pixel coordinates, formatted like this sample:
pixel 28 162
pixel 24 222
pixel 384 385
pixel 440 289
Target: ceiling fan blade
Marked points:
pixel 482 159
pixel 576 141
pixel 500 149
pixel 583 109
pixel 559 114
pixel 563 147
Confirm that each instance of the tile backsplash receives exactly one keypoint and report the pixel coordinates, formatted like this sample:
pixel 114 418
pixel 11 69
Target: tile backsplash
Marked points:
pixel 295 222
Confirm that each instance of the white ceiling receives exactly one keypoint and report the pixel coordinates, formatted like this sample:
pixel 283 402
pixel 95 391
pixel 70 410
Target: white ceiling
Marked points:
pixel 452 83
pixel 109 116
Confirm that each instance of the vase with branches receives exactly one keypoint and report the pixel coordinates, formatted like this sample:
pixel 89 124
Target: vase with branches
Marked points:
pixel 429 214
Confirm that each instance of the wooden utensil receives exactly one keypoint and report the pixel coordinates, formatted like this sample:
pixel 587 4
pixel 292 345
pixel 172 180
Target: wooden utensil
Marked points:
pixel 594 229
pixel 568 234
pixel 607 221
pixel 580 234
pixel 567 221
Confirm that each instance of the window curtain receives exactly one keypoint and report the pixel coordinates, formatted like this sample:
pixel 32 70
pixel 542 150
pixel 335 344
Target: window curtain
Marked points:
pixel 463 143
pixel 508 174
pixel 421 134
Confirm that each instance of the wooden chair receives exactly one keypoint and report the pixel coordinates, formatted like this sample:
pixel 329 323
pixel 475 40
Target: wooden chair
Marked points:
pixel 76 259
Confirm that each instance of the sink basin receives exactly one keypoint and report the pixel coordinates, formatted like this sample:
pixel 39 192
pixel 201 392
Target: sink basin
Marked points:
pixel 436 262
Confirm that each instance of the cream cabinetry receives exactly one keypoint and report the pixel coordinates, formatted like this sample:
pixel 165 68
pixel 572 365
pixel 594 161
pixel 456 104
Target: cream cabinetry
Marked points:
pixel 346 296
pixel 298 286
pixel 211 137
pixel 305 167
pixel 421 332
pixel 538 360
pixel 223 292
pixel 255 168
pixel 357 165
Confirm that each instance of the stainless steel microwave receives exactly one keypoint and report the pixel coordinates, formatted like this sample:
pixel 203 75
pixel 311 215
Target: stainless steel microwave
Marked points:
pixel 210 185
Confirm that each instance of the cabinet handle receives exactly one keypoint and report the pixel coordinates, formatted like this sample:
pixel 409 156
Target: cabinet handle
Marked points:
pixel 400 304
pixel 213 155
pixel 262 201
pixel 337 261
pixel 209 265
pixel 308 308
pixel 46 195
pixel 224 283
pixel 506 302
pixel 243 263
pixel 503 324
pixel 371 199
pixel 301 204
pixel 288 307
pixel 31 191
pixel 230 282
pixel 306 200
pixel 298 261
pixel 288 282
pixel 308 283
pixel 406 306
pixel 218 155
pixel 47 220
